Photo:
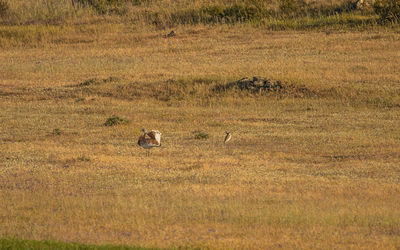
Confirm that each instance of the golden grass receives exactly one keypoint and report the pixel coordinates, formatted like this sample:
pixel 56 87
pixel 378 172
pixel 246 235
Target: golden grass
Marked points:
pixel 318 171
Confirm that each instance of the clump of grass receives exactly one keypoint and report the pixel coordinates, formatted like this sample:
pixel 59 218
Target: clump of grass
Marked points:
pixel 57 131
pixel 115 120
pixel 83 158
pixel 96 81
pixel 199 135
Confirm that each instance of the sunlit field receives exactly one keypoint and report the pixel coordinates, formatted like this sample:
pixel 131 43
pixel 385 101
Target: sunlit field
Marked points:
pixel 314 164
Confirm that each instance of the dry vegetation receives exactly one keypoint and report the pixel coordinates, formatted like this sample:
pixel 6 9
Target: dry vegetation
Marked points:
pixel 314 165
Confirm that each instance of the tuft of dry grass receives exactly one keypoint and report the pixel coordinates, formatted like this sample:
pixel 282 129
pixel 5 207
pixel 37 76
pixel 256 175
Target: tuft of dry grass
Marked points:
pixel 315 170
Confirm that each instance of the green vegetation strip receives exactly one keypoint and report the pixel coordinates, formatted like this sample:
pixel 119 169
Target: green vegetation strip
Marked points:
pixel 34 244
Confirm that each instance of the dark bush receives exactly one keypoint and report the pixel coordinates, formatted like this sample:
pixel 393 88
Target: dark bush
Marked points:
pixel 199 135
pixel 57 131
pixel 95 81
pixel 115 120
pixel 388 10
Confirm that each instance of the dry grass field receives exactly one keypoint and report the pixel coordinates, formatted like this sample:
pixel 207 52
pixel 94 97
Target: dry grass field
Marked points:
pixel 316 165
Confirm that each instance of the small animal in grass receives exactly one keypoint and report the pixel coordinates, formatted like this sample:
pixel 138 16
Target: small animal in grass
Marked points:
pixel 228 137
pixel 150 140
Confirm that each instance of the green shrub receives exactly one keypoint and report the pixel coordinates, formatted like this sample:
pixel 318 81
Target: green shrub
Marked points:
pixel 388 10
pixel 201 135
pixel 96 81
pixel 57 131
pixel 115 120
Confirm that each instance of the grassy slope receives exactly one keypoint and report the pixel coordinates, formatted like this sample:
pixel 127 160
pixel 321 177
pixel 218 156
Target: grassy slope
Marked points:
pixel 319 171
